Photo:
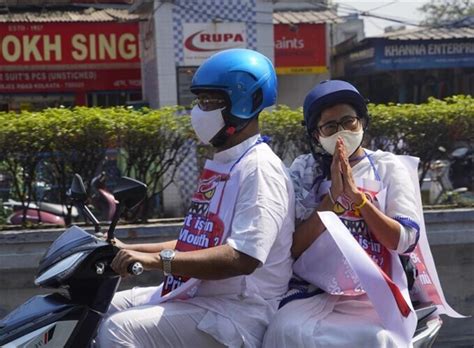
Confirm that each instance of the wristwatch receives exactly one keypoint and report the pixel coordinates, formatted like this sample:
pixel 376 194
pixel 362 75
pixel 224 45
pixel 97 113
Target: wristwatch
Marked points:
pixel 167 255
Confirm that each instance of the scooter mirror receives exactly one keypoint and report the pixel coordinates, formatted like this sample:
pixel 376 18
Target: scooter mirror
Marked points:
pixel 78 190
pixel 129 192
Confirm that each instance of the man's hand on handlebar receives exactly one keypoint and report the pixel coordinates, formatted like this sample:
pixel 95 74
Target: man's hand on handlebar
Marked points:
pixel 124 258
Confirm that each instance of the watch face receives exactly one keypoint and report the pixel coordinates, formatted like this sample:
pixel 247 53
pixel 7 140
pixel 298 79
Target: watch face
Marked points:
pixel 167 253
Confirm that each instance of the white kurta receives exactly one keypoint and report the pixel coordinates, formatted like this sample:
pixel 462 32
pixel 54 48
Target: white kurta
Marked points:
pixel 236 311
pixel 333 320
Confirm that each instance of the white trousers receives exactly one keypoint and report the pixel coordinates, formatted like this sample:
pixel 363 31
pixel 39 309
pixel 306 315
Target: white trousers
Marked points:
pixel 134 321
pixel 326 321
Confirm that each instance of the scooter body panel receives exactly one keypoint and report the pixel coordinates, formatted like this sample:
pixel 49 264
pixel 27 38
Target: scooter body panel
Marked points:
pixel 37 313
pixel 69 242
pixel 70 327
pixel 55 334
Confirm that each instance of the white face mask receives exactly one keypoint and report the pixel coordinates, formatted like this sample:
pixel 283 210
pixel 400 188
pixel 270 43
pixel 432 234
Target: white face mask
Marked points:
pixel 352 141
pixel 206 124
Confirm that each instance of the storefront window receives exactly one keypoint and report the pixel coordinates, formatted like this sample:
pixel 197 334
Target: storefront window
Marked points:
pixel 185 76
pixel 34 102
pixel 108 99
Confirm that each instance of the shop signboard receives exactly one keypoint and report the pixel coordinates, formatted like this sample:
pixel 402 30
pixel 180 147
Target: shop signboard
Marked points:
pixel 68 43
pixel 424 54
pixel 201 40
pixel 300 49
pixel 41 57
pixel 393 55
pixel 69 80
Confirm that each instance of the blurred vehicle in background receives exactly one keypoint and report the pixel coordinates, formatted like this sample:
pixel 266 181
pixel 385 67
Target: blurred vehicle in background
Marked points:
pixel 450 178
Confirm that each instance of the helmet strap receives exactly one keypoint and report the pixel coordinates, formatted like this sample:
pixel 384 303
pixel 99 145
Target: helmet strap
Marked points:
pixel 228 130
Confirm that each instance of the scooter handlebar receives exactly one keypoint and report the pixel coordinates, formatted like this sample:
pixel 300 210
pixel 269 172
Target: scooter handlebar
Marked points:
pixel 135 268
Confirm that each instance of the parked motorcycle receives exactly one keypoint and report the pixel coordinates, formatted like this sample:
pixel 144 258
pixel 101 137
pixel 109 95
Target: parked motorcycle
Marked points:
pixel 44 212
pixel 450 176
pixel 461 171
pixel 78 263
pixel 102 201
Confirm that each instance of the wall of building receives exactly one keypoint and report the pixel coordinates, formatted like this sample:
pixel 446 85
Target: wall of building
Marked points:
pixel 352 27
pixel 292 89
pixel 170 20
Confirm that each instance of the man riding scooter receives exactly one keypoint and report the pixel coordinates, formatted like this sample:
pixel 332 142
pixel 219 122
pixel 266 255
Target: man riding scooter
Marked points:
pixel 231 262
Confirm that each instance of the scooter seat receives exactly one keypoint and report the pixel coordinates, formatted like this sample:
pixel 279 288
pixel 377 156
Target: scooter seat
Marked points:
pixel 58 209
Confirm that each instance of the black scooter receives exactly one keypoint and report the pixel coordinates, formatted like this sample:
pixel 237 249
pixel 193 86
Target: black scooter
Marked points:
pixel 78 263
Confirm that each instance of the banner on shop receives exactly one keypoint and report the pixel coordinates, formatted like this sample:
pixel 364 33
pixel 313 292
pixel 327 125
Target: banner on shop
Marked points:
pixel 393 55
pixel 300 49
pixel 201 40
pixel 69 81
pixel 45 44
pixel 423 54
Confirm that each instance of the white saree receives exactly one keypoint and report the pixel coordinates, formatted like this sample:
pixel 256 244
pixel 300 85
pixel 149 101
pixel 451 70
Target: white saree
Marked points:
pixel 361 306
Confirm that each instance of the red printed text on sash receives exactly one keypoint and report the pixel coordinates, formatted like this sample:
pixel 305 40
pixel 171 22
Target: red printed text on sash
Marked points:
pixel 201 228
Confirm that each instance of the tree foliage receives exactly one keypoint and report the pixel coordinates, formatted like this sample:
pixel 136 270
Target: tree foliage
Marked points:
pixel 284 126
pixel 419 130
pixel 54 144
pixel 50 146
pixel 441 12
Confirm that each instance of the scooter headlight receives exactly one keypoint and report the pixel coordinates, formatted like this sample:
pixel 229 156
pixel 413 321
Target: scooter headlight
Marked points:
pixel 62 269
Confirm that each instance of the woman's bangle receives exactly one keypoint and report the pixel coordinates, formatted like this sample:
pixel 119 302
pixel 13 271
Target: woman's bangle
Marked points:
pixel 364 202
pixel 357 208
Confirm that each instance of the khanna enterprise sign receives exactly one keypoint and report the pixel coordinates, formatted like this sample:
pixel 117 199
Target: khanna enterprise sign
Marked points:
pixel 397 55
pixel 201 40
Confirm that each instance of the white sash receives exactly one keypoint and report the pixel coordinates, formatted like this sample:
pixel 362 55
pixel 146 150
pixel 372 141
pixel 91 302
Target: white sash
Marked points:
pixel 335 253
pixel 338 264
pixel 208 221
pixel 346 249
pixel 427 285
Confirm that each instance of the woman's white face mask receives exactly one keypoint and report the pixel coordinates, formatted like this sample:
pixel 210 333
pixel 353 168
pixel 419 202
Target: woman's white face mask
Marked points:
pixel 206 124
pixel 352 141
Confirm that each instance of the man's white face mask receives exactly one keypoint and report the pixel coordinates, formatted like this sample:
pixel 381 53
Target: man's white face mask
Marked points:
pixel 206 124
pixel 352 141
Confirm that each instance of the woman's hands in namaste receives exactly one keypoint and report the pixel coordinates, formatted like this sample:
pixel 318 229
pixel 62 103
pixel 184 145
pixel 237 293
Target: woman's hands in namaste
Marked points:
pixel 341 175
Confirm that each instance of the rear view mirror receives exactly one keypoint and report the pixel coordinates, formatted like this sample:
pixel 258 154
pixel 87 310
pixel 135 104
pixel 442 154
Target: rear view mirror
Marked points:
pixel 78 190
pixel 78 194
pixel 130 192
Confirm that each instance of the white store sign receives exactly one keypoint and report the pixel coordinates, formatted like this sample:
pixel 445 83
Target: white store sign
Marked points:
pixel 201 40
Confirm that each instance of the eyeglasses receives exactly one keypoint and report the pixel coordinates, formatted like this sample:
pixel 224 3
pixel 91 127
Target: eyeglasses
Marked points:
pixel 209 104
pixel 350 123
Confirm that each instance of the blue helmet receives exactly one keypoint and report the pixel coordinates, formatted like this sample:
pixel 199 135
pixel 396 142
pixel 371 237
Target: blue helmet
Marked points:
pixel 327 94
pixel 245 76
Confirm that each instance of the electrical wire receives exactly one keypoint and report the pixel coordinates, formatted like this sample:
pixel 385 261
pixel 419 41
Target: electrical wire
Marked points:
pixel 348 9
pixel 344 8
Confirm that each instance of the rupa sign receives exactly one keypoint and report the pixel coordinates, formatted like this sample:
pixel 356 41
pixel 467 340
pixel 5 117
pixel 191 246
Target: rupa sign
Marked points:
pixel 201 40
